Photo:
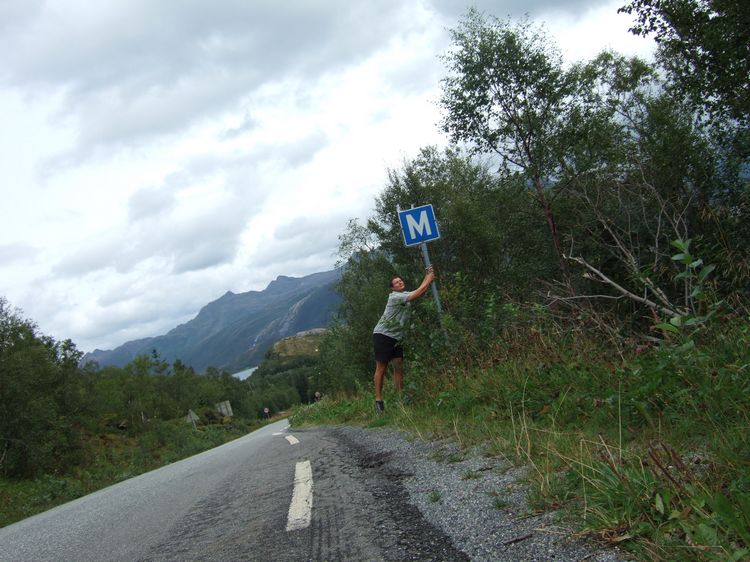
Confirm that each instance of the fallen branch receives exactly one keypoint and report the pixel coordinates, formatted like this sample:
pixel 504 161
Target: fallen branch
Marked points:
pixel 518 539
pixel 643 300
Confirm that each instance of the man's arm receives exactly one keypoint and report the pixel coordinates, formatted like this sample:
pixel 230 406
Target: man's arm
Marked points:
pixel 422 289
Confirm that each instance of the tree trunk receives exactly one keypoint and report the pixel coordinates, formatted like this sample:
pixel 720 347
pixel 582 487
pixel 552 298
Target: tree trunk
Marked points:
pixel 550 217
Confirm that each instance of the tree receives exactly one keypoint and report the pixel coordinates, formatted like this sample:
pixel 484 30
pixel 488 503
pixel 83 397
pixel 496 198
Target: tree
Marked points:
pixel 491 234
pixel 39 396
pixel 705 46
pixel 507 93
pixel 657 182
pixel 492 248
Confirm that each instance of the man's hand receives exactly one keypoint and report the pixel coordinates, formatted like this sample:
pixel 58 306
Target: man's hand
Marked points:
pixel 422 289
pixel 430 274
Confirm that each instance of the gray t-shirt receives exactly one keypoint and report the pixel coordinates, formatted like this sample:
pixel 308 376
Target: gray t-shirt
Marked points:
pixel 394 317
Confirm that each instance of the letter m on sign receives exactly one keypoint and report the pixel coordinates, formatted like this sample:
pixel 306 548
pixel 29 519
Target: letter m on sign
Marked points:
pixel 418 225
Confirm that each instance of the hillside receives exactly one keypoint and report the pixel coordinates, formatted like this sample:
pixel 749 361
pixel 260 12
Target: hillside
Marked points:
pixel 301 344
pixel 235 331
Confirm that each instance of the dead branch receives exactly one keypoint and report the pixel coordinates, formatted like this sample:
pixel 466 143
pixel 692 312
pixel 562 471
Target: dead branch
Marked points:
pixel 601 277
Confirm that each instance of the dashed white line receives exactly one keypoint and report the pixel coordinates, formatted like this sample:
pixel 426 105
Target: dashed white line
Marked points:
pixel 300 510
pixel 292 439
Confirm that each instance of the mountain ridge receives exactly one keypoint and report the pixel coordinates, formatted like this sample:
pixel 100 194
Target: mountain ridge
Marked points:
pixel 234 331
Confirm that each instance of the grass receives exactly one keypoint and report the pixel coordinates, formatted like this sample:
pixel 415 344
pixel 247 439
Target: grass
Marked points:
pixel 305 344
pixel 499 502
pixel 651 453
pixel 110 458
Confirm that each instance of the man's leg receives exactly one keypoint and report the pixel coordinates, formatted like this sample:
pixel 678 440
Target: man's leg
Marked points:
pixel 398 373
pixel 380 367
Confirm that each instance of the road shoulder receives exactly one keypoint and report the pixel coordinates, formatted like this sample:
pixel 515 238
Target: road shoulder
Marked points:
pixel 479 503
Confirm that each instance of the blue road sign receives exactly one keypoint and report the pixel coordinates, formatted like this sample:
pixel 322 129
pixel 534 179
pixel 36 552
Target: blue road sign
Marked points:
pixel 418 225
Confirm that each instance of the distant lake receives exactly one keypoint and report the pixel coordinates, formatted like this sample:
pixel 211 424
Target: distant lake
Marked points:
pixel 242 375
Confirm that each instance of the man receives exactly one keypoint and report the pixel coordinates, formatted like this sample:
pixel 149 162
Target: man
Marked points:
pixel 389 332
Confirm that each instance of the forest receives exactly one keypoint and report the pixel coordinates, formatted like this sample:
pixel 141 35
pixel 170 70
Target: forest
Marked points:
pixel 594 271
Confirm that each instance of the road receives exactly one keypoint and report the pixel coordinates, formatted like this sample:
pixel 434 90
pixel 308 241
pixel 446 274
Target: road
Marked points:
pixel 274 494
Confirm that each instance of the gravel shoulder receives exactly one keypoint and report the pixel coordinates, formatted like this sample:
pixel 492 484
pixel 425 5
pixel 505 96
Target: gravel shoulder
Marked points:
pixel 479 503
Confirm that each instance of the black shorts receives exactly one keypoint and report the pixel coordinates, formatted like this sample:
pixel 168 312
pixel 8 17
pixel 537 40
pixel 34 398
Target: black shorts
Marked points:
pixel 386 348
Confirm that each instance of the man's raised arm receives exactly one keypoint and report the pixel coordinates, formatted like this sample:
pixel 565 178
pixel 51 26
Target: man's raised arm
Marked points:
pixel 422 289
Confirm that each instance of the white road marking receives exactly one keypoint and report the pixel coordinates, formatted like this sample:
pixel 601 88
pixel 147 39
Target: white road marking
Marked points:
pixel 277 433
pixel 300 510
pixel 292 439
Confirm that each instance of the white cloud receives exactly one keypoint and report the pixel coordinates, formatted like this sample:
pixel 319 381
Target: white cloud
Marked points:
pixel 19 252
pixel 158 154
pixel 597 28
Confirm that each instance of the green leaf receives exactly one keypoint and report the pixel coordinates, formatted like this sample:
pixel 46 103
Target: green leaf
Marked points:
pixel 687 346
pixel 659 504
pixel 705 272
pixel 730 516
pixel 744 501
pixel 681 245
pixel 694 321
pixel 696 263
pixel 676 321
pixel 668 328
pixel 697 502
pixel 681 257
pixel 706 535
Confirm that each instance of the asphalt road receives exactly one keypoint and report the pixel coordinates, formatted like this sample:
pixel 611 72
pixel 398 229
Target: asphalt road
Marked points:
pixel 255 498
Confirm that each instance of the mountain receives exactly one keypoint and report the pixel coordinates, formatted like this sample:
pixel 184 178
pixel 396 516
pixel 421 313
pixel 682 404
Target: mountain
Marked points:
pixel 235 331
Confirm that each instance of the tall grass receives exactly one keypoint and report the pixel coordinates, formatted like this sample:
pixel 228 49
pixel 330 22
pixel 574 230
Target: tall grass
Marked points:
pixel 651 452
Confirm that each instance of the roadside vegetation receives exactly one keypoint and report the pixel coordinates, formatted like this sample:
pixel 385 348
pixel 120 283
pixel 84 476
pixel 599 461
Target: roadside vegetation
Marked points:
pixel 110 457
pixel 594 269
pixel 650 452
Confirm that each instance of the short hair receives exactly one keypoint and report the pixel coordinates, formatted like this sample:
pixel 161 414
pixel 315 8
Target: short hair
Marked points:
pixel 392 278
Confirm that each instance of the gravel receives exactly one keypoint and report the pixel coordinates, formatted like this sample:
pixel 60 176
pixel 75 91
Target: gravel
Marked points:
pixel 480 503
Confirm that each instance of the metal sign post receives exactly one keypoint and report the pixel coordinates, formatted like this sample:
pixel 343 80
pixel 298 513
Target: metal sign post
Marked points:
pixel 433 286
pixel 419 226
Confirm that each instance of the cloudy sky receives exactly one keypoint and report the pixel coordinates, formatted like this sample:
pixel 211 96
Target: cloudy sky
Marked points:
pixel 156 154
